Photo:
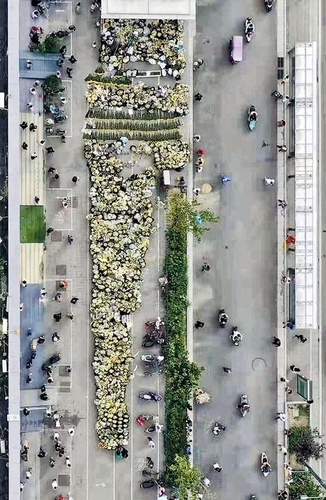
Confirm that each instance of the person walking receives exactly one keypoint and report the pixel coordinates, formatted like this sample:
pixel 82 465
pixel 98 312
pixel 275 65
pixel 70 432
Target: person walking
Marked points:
pixel 280 415
pixel 32 127
pixel 33 156
pixel 25 146
pixel 199 324
pixel 72 59
pixel 68 463
pixel 49 150
pixel 196 191
pixel 282 148
pixel 226 369
pixel 289 324
pixel 70 316
pixel 197 138
pixel 54 484
pixel 205 267
pixel 151 443
pixel 69 71
pixel 49 230
pixel 282 203
pixel 23 125
pixel 276 341
pixel 94 44
pixel 198 97
pixel 281 123
pixel 75 179
pixel 74 300
pixel 29 378
pixel 295 369
pixel 52 462
pixel 63 50
pixel 301 338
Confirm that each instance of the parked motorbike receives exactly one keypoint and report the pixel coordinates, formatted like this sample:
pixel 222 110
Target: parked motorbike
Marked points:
pixel 217 428
pixel 60 118
pixel 150 340
pixel 236 336
pixel 252 117
pixel 223 318
pixel 147 484
pixel 150 396
pixel 149 463
pixel 249 29
pixel 146 472
pixel 269 5
pixel 265 465
pixel 54 359
pixel 152 358
pixel 141 419
pixel 243 407
pixel 60 131
pixel 49 130
pixel 150 429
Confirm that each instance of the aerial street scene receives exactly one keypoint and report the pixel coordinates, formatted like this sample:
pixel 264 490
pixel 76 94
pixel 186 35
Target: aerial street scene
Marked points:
pixel 162 250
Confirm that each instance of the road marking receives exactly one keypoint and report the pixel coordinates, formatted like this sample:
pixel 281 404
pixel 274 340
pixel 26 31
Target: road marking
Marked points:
pixel 320 345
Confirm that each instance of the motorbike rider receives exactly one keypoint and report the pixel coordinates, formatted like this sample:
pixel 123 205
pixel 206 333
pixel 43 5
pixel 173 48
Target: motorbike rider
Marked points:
pixel 244 406
pixel 253 115
pixel 250 27
pixel 236 335
pixel 217 467
pixel 223 317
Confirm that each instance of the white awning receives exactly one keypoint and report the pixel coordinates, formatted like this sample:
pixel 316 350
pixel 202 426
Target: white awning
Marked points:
pixel 148 9
pixel 306 179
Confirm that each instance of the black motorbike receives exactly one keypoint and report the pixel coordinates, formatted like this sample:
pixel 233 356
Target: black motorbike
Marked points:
pixel 269 5
pixel 150 483
pixel 60 118
pixel 223 318
pixel 54 359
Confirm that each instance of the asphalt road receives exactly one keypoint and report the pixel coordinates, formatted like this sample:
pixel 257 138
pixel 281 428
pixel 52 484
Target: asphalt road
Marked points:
pixel 240 248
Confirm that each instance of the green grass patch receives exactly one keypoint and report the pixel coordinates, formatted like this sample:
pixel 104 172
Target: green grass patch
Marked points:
pixel 32 224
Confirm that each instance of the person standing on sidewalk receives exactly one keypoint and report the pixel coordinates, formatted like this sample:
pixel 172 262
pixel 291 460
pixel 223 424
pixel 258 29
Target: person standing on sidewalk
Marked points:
pixel 295 369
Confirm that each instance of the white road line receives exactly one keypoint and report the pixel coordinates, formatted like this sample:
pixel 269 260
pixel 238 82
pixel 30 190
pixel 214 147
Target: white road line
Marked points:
pixel 131 440
pixel 320 352
pixel 87 370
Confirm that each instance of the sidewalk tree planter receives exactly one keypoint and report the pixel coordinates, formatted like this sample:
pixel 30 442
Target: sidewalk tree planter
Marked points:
pixel 182 376
pixel 52 85
pixel 51 44
pixel 304 442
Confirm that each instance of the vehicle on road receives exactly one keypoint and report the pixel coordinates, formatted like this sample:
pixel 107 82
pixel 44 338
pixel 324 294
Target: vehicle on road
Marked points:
pixel 223 318
pixel 225 179
pixel 236 49
pixel 269 4
pixel 249 29
pixel 236 336
pixel 218 427
pixel 265 465
pixel 150 396
pixel 252 117
pixel 243 407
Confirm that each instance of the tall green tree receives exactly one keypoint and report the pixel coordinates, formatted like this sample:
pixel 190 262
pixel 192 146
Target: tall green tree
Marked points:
pixel 187 478
pixel 305 443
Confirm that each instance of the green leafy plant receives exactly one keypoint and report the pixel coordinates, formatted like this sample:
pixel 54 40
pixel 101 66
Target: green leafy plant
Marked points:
pixel 52 85
pixel 187 478
pixel 304 484
pixel 186 213
pixel 304 442
pixel 51 44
